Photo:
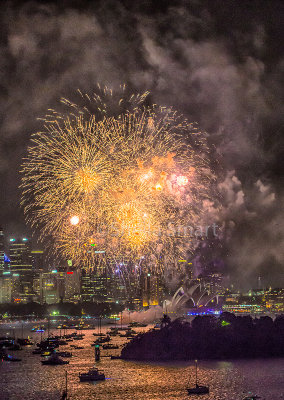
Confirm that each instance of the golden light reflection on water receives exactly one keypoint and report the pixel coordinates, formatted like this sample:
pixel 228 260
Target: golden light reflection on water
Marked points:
pixel 29 380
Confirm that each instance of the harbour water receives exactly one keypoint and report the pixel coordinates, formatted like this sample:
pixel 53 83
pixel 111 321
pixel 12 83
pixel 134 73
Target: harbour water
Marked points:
pixel 228 380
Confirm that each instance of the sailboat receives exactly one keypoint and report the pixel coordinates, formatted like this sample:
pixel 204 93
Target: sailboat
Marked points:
pixel 197 389
pixel 65 391
pixel 94 374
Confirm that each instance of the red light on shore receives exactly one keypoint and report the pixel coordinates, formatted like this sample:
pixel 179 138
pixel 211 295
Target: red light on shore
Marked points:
pixel 69 272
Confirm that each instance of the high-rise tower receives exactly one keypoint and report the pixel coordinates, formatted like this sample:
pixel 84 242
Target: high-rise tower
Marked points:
pixel 21 266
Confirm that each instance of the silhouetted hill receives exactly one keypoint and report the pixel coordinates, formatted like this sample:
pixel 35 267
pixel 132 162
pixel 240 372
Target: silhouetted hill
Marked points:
pixel 209 337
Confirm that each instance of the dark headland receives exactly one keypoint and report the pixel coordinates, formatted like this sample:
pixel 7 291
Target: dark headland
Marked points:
pixel 225 337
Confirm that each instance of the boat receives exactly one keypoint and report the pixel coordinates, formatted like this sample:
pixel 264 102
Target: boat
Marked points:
pixel 8 357
pixel 79 337
pixel 252 397
pixel 75 334
pixel 137 324
pixel 54 359
pixel 110 346
pixel 101 340
pixel 46 353
pixel 24 342
pixel 37 351
pixel 94 374
pixel 64 354
pixel 64 395
pixel 197 389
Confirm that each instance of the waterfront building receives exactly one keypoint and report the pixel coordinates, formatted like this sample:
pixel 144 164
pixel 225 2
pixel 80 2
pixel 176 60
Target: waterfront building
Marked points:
pixel 274 300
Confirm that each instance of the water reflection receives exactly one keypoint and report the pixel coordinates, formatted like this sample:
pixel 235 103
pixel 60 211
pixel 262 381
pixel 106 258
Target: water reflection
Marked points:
pixel 29 380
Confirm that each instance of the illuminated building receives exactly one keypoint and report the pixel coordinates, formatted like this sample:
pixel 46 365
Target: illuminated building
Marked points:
pixel 87 287
pixel 38 264
pixel 244 308
pixel 2 248
pixel 49 286
pixel 72 285
pixel 151 290
pixel 21 265
pixel 95 287
pixel 274 300
pixel 6 286
pixel 9 287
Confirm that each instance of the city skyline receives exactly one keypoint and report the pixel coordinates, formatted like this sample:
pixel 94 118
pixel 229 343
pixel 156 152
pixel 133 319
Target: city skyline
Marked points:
pixel 242 114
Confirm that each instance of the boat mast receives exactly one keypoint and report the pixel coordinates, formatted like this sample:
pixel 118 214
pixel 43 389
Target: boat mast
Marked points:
pixel 195 372
pixel 66 383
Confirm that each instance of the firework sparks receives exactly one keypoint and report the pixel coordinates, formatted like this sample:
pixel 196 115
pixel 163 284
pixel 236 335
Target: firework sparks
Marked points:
pixel 115 185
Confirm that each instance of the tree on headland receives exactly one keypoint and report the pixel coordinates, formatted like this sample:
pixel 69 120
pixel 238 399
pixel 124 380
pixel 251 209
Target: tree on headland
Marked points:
pixel 208 337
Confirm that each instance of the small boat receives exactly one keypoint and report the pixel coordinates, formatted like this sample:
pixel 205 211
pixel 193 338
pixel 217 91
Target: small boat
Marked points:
pixel 46 353
pixel 24 342
pixel 62 342
pixel 92 375
pixel 65 354
pixel 137 324
pixel 75 334
pixel 197 389
pixel 110 346
pixel 104 339
pixel 251 397
pixel 54 359
pixel 37 351
pixel 64 395
pixel 8 357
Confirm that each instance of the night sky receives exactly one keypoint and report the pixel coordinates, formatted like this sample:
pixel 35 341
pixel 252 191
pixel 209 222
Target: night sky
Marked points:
pixel 220 63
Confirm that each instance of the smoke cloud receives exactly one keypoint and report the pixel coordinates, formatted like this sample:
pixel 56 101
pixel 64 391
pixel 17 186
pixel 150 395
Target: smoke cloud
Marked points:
pixel 218 63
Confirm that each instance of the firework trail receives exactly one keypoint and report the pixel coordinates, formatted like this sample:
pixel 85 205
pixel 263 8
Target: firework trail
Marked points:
pixel 114 180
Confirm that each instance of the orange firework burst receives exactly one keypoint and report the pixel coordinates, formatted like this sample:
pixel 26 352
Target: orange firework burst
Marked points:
pixel 114 185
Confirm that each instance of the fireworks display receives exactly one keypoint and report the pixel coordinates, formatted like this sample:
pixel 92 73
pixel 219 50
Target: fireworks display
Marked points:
pixel 105 186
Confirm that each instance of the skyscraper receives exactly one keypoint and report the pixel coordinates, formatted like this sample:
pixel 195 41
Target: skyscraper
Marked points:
pixel 21 266
pixel 72 285
pixel 95 286
pixel 152 290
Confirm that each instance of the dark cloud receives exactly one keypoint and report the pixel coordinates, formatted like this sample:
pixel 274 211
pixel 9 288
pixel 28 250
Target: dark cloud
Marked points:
pixel 219 63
